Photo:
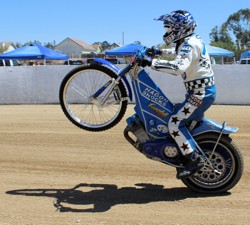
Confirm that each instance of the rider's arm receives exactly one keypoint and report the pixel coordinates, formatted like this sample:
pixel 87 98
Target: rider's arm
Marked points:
pixel 179 65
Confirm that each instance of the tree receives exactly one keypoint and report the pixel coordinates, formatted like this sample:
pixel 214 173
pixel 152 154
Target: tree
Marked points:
pixel 103 45
pixel 220 38
pixel 138 42
pixel 18 45
pixel 239 24
pixel 31 42
pixel 234 34
pixel 50 44
pixel 214 34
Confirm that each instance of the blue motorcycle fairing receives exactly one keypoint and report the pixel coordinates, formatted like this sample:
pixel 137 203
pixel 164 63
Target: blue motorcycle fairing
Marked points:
pixel 209 125
pixel 153 107
pixel 116 69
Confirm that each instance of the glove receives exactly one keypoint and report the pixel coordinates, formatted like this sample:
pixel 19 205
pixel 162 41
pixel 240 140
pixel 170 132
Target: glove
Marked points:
pixel 153 51
pixel 146 62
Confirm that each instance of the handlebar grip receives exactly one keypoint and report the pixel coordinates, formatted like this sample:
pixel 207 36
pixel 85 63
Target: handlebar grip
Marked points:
pixel 153 51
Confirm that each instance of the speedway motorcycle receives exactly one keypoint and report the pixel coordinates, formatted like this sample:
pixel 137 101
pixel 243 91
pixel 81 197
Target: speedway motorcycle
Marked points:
pixel 95 96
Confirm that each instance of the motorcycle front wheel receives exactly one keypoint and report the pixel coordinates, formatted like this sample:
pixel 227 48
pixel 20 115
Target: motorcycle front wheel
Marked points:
pixel 82 108
pixel 227 162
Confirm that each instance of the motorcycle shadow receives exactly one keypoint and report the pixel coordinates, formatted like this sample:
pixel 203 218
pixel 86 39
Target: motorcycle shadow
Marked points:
pixel 101 197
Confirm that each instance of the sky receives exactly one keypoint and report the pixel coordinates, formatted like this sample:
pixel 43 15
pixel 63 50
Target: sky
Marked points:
pixel 116 21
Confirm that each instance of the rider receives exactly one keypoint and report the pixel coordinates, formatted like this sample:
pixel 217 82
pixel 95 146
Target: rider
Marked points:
pixel 193 63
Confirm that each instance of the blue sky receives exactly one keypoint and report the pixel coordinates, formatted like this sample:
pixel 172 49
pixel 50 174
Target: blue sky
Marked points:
pixel 105 20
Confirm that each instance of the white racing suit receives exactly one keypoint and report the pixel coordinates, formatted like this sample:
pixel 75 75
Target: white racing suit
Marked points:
pixel 193 63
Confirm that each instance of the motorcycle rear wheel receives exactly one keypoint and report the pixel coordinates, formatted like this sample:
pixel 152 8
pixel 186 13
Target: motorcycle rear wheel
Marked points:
pixel 227 159
pixel 77 102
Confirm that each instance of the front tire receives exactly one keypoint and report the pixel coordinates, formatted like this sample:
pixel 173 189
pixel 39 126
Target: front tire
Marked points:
pixel 79 106
pixel 227 159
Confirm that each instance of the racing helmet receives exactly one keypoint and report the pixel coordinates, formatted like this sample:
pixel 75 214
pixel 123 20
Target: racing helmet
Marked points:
pixel 178 24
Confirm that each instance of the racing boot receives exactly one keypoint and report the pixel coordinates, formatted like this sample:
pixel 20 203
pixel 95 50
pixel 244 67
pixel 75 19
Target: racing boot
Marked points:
pixel 194 163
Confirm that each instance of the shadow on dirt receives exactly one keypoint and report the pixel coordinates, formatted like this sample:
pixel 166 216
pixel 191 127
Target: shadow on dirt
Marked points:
pixel 101 197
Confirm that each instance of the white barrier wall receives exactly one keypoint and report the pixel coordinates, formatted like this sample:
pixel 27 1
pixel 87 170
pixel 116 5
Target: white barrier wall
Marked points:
pixel 31 84
pixel 232 82
pixel 40 84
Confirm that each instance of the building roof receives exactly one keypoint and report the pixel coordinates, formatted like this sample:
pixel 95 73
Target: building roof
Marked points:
pixel 6 44
pixel 82 44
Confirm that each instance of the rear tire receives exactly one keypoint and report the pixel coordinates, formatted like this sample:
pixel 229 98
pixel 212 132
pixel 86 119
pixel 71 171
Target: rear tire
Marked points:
pixel 227 159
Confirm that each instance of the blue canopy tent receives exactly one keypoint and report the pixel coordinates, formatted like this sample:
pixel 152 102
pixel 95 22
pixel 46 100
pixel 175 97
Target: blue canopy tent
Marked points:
pixel 35 52
pixel 245 54
pixel 219 52
pixel 130 49
pixel 126 50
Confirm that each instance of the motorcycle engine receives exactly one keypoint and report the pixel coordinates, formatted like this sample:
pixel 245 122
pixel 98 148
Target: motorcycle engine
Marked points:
pixel 136 128
pixel 164 150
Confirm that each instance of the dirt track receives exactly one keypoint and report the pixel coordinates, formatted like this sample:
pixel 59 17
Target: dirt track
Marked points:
pixel 43 155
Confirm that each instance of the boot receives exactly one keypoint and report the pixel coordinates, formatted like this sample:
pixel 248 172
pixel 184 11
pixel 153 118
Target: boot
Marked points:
pixel 194 163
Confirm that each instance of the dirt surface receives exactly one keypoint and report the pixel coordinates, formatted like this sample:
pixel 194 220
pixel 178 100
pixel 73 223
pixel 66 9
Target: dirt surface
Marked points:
pixel 55 173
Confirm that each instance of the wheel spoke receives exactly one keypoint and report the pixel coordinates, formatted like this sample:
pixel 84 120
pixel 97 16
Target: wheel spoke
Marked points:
pixel 209 177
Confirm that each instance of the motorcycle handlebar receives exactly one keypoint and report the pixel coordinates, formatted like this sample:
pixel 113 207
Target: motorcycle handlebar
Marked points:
pixel 144 56
pixel 149 52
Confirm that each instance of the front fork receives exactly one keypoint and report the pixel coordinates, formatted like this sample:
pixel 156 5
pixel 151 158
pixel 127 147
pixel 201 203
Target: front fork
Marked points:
pixel 111 84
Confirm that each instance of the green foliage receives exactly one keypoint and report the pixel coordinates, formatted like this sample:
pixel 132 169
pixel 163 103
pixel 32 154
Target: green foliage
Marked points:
pixel 239 24
pixel 234 34
pixel 224 44
pixel 48 44
pixel 220 38
pixel 138 42
pixel 103 45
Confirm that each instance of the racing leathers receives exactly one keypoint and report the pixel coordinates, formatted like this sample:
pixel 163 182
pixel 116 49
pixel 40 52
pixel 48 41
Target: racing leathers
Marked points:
pixel 193 63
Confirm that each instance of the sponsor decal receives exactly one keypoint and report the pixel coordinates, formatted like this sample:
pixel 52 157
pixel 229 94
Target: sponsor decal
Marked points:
pixel 151 122
pixel 159 112
pixel 155 96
